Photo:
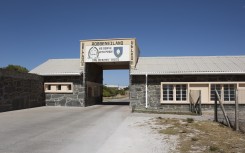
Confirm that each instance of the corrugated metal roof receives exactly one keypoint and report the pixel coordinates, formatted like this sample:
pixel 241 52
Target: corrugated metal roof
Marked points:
pixel 192 65
pixel 59 67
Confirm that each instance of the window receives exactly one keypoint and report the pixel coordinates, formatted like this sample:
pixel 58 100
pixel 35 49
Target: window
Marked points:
pixel 171 92
pixel 167 92
pixel 180 92
pixel 58 87
pixel 69 87
pixel 229 92
pixel 215 87
pixel 226 91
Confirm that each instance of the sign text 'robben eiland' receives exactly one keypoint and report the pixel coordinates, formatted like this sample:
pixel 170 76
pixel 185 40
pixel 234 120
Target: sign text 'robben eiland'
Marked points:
pixel 107 51
pixel 121 51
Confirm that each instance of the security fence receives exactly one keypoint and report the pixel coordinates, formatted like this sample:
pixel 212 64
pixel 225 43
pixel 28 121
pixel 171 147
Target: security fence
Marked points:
pixel 195 101
pixel 230 113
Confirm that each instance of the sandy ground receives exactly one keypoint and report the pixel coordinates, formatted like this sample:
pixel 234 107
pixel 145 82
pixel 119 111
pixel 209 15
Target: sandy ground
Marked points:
pixel 136 135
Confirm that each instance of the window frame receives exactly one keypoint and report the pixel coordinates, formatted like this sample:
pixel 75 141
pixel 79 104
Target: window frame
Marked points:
pixel 174 84
pixel 58 87
pixel 222 91
pixel 237 85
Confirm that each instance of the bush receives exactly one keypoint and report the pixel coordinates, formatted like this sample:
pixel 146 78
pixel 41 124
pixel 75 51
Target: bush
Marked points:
pixel 121 92
pixel 110 92
pixel 17 68
pixel 213 148
pixel 194 139
pixel 106 93
pixel 190 120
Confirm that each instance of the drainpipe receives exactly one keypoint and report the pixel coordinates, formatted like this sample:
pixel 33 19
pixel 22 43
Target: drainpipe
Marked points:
pixel 146 91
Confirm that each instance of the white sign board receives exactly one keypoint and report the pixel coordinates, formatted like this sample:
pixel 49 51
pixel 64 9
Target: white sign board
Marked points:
pixel 111 53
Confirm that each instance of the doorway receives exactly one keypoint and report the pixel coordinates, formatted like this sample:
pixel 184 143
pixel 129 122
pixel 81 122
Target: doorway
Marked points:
pixel 115 87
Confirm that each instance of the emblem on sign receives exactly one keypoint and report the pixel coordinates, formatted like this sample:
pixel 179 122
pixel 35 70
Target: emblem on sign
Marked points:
pixel 93 53
pixel 118 51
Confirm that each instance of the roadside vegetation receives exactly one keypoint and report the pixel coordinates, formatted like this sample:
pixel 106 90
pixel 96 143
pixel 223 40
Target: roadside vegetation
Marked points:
pixel 16 68
pixel 112 92
pixel 201 136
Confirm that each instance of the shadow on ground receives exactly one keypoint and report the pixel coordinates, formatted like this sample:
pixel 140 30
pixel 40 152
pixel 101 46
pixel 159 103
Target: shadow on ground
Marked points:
pixel 115 103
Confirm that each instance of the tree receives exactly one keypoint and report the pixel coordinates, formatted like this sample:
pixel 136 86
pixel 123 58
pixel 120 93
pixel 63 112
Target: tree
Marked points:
pixel 106 93
pixel 109 92
pixel 121 92
pixel 126 88
pixel 17 68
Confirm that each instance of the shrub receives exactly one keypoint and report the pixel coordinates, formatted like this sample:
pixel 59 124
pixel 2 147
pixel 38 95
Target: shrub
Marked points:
pixel 17 68
pixel 190 120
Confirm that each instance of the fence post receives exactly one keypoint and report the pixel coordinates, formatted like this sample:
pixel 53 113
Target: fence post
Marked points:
pixel 200 105
pixel 190 100
pixel 216 108
pixel 236 112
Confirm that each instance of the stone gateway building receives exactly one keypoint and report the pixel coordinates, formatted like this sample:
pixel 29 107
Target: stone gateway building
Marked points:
pixel 155 82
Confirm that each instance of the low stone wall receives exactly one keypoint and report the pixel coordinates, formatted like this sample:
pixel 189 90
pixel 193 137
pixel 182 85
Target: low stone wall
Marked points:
pixel 66 99
pixel 20 90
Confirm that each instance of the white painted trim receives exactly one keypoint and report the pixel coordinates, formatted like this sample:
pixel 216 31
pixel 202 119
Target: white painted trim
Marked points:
pixel 188 87
pixel 64 86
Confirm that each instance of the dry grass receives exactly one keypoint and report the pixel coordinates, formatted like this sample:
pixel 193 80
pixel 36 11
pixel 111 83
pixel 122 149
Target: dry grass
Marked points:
pixel 202 136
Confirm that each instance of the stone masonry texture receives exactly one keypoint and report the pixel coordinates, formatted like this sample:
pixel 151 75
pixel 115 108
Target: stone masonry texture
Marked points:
pixel 20 90
pixel 137 89
pixel 66 99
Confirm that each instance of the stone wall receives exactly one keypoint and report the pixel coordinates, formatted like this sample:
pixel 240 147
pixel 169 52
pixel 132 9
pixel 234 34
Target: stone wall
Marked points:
pixel 20 90
pixel 94 73
pixel 137 89
pixel 66 99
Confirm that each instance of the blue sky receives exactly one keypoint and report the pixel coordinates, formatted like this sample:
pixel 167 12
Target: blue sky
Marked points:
pixel 33 31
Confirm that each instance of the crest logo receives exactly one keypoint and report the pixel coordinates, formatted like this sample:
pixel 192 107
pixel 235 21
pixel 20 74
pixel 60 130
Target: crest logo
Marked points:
pixel 93 53
pixel 118 51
